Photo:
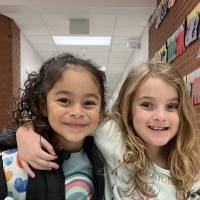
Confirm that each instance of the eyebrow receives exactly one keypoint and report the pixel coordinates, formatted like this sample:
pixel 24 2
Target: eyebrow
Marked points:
pixel 152 98
pixel 66 92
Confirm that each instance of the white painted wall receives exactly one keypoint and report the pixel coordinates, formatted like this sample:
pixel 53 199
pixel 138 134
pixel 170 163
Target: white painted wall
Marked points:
pixel 140 55
pixel 30 59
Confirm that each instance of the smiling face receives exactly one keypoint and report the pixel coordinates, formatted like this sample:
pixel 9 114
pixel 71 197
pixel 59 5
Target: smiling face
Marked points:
pixel 155 112
pixel 74 108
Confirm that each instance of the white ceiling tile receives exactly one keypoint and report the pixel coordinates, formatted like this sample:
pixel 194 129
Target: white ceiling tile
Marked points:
pixel 101 60
pixel 121 48
pixel 128 31
pixel 25 19
pixel 69 49
pixel 101 31
pixel 40 39
pixel 33 30
pixel 58 30
pixel 45 47
pixel 96 54
pixel 132 20
pixel 93 31
pixel 98 49
pixel 115 54
pixel 56 20
pixel 87 3
pixel 47 54
pixel 94 20
pixel 102 20
pixel 123 40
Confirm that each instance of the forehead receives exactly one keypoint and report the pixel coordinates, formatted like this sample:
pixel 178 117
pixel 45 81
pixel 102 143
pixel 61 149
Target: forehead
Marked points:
pixel 77 77
pixel 80 69
pixel 156 86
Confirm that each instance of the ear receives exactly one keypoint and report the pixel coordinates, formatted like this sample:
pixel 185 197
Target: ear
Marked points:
pixel 101 115
pixel 42 106
pixel 102 112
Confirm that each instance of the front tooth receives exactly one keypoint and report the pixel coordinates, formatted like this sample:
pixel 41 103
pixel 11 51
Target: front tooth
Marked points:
pixel 155 128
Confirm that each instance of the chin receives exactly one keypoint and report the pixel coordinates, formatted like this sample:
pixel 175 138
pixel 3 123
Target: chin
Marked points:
pixel 77 139
pixel 195 195
pixel 162 141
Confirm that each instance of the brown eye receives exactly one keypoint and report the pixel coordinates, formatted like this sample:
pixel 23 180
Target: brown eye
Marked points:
pixel 64 100
pixel 89 103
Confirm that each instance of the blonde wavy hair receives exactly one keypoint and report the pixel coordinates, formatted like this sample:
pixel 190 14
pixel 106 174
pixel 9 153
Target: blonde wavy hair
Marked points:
pixel 182 152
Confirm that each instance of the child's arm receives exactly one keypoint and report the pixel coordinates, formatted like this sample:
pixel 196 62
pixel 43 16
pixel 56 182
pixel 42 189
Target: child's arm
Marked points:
pixel 30 151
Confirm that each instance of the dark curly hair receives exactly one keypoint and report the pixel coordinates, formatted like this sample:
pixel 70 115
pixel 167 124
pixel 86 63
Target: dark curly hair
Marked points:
pixel 27 107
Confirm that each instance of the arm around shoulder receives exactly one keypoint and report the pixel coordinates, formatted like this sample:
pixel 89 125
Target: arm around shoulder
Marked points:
pixel 30 150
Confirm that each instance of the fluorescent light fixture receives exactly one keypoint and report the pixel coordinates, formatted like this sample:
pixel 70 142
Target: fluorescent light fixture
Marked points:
pixel 68 40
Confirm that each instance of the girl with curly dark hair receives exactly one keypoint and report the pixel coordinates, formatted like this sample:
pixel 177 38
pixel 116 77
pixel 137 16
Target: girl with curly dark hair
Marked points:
pixel 64 102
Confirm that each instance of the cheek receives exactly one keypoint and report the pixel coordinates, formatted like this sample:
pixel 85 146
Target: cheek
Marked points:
pixel 138 118
pixel 95 116
pixel 176 120
pixel 54 113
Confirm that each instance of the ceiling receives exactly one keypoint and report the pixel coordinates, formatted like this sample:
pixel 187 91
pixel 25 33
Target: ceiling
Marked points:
pixel 123 20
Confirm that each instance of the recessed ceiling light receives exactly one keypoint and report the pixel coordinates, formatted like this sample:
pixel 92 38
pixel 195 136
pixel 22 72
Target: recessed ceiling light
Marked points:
pixel 68 40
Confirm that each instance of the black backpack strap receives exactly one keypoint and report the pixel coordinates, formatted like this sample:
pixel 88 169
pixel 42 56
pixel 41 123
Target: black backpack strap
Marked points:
pixel 97 163
pixel 8 138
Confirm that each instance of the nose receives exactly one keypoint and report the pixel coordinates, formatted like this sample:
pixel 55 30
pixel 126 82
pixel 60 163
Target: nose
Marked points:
pixel 160 114
pixel 76 111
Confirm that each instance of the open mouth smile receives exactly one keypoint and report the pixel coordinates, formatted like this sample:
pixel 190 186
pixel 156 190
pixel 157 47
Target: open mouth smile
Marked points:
pixel 158 128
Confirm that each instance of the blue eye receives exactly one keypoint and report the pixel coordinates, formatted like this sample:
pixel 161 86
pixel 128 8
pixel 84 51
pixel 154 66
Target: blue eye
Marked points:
pixel 172 106
pixel 147 105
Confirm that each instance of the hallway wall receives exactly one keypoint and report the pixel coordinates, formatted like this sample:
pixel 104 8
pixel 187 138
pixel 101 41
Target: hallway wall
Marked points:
pixel 17 58
pixel 188 61
pixel 9 66
pixel 140 55
pixel 30 59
